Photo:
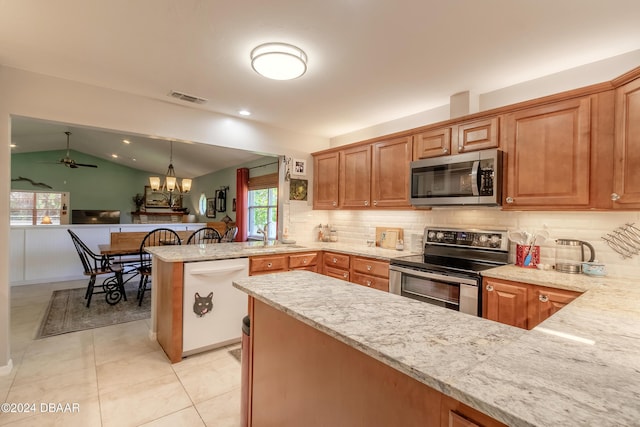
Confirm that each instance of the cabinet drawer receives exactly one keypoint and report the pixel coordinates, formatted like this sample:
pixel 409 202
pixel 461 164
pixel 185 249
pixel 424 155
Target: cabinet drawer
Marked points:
pixel 371 267
pixel 303 260
pixel 267 264
pixel 371 281
pixel 337 273
pixel 336 260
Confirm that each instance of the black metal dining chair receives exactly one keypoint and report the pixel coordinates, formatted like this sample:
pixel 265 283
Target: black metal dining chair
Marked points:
pixel 204 235
pixel 95 265
pixel 157 237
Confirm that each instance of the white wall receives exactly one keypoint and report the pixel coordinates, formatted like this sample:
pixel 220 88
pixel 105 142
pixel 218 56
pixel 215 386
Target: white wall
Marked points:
pixel 48 98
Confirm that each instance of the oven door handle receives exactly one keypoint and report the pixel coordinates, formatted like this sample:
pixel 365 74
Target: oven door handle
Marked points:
pixel 474 178
pixel 427 275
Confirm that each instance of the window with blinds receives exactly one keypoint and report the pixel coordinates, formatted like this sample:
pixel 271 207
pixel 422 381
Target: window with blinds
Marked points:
pixel 263 205
pixel 37 207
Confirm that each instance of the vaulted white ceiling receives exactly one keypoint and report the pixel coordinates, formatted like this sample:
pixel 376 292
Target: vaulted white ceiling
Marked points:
pixel 370 61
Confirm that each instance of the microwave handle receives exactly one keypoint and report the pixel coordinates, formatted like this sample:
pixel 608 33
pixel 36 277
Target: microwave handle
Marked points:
pixel 474 178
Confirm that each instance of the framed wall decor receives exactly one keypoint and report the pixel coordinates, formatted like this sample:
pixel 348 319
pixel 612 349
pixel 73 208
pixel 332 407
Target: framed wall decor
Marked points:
pixel 155 199
pixel 298 189
pixel 299 167
pixel 211 207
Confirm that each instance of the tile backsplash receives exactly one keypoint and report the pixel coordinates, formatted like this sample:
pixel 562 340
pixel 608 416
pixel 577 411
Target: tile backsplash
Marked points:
pixel 356 227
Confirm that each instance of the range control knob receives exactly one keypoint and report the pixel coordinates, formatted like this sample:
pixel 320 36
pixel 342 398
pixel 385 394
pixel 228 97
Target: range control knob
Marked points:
pixel 483 238
pixel 431 234
pixel 439 235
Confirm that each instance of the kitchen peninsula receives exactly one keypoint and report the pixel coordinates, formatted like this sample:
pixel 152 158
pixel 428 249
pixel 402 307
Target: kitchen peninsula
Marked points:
pixel 380 358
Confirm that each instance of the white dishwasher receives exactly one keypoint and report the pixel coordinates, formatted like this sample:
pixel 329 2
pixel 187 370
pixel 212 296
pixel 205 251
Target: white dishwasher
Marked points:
pixel 212 308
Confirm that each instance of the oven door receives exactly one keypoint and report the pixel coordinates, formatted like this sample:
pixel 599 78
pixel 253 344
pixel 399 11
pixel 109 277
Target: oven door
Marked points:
pixel 453 292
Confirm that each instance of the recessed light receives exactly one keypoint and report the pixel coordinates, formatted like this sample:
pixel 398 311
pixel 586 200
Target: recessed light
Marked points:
pixel 115 156
pixel 126 141
pixel 244 112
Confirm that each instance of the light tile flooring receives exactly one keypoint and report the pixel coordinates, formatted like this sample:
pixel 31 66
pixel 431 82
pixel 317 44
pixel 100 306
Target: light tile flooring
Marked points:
pixel 116 375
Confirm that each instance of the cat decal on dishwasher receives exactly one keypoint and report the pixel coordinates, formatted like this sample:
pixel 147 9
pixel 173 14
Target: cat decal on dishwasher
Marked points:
pixel 203 305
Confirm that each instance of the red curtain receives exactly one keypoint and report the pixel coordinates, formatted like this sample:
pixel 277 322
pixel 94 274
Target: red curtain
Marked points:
pixel 242 196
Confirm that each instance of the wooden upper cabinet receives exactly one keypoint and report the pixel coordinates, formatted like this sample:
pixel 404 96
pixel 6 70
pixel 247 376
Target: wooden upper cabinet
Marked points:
pixel 477 135
pixel 355 177
pixel 325 180
pixel 626 182
pixel 390 173
pixel 548 159
pixel 505 302
pixel 432 143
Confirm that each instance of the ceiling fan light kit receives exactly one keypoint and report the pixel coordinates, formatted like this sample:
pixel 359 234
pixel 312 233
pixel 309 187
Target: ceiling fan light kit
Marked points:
pixel 279 61
pixel 69 162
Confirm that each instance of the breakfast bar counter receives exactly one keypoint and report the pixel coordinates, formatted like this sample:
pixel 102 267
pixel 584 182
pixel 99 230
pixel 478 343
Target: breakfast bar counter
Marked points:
pixel 579 367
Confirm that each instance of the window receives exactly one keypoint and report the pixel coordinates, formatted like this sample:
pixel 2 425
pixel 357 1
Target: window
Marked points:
pixel 263 209
pixel 30 207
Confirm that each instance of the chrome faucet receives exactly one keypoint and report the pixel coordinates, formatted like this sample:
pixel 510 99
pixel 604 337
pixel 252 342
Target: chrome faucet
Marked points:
pixel 265 233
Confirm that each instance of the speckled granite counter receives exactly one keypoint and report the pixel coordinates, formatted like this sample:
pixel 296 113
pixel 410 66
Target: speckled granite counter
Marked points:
pixel 581 367
pixel 190 253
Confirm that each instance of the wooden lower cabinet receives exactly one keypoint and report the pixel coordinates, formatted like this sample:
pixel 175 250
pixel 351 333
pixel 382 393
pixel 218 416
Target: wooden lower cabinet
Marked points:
pixel 267 264
pixel 520 304
pixel 304 261
pixel 370 272
pixel 505 302
pixel 328 383
pixel 543 302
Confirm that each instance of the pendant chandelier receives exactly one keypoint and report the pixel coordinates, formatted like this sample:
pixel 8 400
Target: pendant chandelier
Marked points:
pixel 170 183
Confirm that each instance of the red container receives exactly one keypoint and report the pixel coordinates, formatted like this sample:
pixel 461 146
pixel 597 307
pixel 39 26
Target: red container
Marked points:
pixel 521 253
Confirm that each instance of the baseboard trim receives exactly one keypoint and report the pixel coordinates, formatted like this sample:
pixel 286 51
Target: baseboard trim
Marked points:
pixel 6 369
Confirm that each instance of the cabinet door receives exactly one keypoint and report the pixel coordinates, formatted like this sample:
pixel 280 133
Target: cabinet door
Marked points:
pixel 355 177
pixel 303 260
pixel 336 260
pixel 432 143
pixel 548 156
pixel 626 186
pixel 390 173
pixel 337 273
pixel 477 135
pixel 544 302
pixel 325 180
pixel 505 302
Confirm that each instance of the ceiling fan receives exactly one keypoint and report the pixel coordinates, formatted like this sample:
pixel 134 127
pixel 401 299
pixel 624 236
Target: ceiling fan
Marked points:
pixel 69 162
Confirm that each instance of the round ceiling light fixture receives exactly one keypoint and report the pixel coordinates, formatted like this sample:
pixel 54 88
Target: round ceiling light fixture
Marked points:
pixel 279 61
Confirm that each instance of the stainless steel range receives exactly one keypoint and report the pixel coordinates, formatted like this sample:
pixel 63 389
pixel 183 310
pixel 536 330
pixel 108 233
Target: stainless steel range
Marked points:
pixel 448 272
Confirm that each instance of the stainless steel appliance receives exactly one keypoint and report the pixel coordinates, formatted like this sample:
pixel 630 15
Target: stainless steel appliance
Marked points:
pixel 570 255
pixel 448 272
pixel 463 179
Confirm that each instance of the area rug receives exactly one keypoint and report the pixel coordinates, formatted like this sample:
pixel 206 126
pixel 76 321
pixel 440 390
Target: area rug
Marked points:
pixel 67 311
pixel 236 353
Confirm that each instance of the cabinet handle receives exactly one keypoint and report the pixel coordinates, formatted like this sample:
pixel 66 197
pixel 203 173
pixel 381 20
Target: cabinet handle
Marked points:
pixel 368 282
pixel 368 268
pixel 366 203
pixel 335 260
pixel 345 275
pixel 304 261
pixel 375 203
pixel 269 265
pixel 543 298
pixel 615 197
pixel 460 148
pixel 489 288
pixel 445 151
pixel 335 204
pixel 510 200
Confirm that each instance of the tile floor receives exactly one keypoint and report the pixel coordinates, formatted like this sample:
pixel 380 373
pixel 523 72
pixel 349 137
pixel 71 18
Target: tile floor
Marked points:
pixel 116 375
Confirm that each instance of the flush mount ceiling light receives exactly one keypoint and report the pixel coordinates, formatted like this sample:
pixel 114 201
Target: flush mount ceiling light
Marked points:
pixel 279 61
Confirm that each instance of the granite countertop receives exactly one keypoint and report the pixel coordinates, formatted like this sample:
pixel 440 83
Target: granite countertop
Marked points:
pixel 191 253
pixel 579 367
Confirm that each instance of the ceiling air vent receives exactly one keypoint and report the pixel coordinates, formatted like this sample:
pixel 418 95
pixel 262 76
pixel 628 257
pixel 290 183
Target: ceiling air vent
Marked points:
pixel 186 97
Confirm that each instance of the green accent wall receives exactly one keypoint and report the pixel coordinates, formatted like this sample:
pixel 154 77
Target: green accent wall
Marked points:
pixel 208 184
pixel 112 186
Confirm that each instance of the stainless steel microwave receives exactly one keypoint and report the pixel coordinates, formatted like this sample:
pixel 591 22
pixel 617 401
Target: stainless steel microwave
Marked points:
pixel 461 179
